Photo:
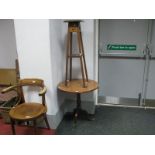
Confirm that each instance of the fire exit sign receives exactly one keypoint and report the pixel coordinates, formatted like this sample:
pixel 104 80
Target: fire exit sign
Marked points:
pixel 124 47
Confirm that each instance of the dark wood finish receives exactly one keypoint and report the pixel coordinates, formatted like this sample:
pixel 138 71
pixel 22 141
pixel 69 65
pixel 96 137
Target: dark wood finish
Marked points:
pixel 19 89
pixel 12 126
pixel 73 21
pixel 76 87
pixel 74 27
pixel 28 111
pixel 28 123
pixel 17 70
pixel 46 121
pixel 35 126
pixel 78 107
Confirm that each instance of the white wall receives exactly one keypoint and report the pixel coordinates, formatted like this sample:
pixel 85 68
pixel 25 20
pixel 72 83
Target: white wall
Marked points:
pixel 88 35
pixel 33 47
pixel 57 58
pixel 87 28
pixel 41 47
pixel 8 52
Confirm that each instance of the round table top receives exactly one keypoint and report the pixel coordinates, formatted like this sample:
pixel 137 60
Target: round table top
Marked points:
pixel 76 86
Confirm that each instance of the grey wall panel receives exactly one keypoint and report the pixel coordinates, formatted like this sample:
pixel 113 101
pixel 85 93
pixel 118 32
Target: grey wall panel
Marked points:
pixel 151 76
pixel 120 78
pixel 123 31
pixel 151 81
pixel 152 46
pixel 8 50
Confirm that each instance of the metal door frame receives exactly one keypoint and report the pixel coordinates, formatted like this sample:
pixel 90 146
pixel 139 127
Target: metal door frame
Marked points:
pixel 146 58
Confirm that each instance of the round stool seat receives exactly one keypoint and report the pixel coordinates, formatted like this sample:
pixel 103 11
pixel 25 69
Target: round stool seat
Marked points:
pixel 27 111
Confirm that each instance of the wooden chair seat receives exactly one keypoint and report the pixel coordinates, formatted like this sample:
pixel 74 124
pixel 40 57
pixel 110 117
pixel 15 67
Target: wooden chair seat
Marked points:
pixel 27 111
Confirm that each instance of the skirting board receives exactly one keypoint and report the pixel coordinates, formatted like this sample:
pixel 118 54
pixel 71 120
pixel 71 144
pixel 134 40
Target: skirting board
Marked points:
pixel 54 120
pixel 68 106
pixel 124 101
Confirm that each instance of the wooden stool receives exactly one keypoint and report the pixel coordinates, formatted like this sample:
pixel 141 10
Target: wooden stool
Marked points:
pixel 74 27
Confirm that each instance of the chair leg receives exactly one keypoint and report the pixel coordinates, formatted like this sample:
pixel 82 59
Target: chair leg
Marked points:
pixel 12 126
pixel 46 121
pixel 35 127
pixel 27 122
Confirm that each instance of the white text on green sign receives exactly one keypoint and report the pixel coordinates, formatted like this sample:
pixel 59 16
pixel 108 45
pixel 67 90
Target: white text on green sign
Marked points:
pixel 121 47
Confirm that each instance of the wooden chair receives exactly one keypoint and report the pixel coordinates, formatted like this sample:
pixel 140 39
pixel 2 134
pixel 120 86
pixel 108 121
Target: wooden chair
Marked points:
pixel 28 111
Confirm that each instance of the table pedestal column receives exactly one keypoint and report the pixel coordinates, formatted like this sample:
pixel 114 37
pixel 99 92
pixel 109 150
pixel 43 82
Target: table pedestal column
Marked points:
pixel 79 112
pixel 75 87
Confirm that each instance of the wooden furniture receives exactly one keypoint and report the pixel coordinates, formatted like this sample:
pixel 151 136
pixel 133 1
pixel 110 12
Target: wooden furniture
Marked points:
pixel 9 76
pixel 76 87
pixel 74 27
pixel 29 111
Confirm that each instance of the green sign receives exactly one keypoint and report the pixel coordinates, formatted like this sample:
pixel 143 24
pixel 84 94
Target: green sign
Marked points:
pixel 121 47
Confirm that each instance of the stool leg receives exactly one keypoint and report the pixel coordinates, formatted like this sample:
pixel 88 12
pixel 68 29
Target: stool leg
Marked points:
pixel 81 61
pixel 70 54
pixel 12 126
pixel 86 73
pixel 67 55
pixel 46 121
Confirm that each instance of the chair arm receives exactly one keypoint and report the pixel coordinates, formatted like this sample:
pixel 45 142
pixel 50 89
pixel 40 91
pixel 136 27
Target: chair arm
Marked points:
pixel 8 89
pixel 43 91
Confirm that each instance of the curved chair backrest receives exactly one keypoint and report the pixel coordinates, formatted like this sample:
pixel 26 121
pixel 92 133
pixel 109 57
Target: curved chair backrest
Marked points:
pixel 30 111
pixel 31 82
